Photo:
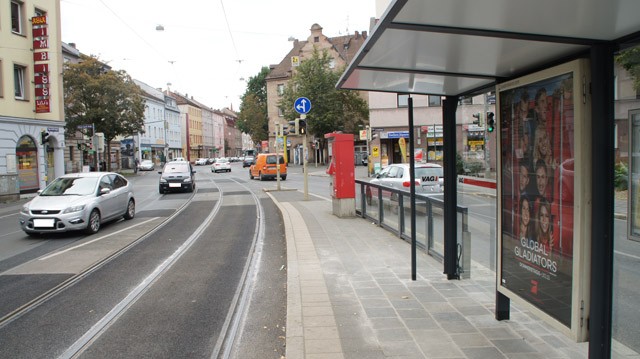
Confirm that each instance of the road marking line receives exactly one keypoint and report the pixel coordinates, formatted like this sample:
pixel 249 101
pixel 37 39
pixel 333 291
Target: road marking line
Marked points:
pixel 93 240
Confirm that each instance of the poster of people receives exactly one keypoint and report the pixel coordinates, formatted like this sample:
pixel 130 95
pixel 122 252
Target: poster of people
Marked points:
pixel 537 157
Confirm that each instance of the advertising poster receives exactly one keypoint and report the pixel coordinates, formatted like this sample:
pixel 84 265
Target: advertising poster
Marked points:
pixel 537 157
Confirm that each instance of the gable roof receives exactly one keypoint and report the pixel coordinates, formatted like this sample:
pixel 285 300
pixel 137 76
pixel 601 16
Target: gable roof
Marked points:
pixel 346 46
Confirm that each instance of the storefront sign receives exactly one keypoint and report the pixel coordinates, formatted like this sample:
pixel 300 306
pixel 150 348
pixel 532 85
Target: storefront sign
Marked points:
pixel 41 70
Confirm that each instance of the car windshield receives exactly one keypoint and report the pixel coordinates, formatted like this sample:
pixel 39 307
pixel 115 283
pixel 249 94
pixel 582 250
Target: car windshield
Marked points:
pixel 71 186
pixel 271 160
pixel 176 168
pixel 429 172
pixel 222 160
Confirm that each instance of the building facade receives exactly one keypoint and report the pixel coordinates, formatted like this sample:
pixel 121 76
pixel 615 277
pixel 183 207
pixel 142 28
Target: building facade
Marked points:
pixel 341 48
pixel 31 97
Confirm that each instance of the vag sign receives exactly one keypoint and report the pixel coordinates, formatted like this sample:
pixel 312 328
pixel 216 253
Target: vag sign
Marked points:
pixel 429 178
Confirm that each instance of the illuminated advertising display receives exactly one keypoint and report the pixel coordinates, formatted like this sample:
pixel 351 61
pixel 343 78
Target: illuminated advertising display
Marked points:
pixel 539 221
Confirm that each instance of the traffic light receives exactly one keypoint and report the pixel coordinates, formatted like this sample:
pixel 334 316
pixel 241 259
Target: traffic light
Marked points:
pixel 301 126
pixel 44 137
pixel 491 122
pixel 477 119
pixel 293 127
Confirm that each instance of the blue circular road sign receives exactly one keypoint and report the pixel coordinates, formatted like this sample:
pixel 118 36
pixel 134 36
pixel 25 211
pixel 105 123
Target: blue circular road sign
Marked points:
pixel 302 105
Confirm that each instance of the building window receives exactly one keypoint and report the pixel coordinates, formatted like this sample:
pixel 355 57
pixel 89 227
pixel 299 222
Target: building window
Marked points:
pixel 16 17
pixel 435 101
pixel 18 81
pixel 332 64
pixel 280 89
pixel 316 39
pixel 403 100
pixel 280 112
pixel 38 12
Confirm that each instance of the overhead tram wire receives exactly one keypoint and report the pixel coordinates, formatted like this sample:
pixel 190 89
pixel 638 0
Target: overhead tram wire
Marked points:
pixel 132 30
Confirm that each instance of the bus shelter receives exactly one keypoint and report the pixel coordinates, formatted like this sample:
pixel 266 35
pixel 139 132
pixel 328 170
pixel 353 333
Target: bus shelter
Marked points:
pixel 524 50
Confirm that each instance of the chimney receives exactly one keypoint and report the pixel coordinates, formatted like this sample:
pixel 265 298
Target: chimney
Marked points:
pixel 357 35
pixel 72 44
pixel 364 34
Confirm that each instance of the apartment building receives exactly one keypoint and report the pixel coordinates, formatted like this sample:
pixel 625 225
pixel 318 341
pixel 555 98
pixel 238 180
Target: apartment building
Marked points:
pixel 341 48
pixel 31 97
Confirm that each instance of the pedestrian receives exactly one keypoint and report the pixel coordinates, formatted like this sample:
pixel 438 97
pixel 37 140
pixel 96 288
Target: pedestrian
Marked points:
pixel 135 167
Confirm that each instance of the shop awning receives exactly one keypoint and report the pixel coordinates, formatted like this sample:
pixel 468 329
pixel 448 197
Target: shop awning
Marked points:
pixel 458 47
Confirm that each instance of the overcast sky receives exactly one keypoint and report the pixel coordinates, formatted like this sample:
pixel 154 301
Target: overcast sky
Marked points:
pixel 201 51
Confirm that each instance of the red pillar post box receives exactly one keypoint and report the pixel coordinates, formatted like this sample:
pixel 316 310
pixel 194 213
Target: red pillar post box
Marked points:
pixel 342 171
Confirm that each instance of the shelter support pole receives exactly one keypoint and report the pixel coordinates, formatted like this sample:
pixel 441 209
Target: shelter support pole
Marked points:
pixel 450 105
pixel 602 163
pixel 412 189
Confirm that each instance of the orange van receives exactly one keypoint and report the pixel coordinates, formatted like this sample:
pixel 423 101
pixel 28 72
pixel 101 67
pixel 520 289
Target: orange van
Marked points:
pixel 264 167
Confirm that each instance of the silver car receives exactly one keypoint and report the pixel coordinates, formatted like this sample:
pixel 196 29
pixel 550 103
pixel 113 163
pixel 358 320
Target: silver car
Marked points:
pixel 79 201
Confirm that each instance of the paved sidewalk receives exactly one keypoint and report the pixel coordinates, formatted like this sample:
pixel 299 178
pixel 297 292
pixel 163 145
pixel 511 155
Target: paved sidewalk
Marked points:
pixel 350 295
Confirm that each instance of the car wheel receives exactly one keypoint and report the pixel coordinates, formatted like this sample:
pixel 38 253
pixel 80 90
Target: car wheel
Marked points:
pixel 191 188
pixel 94 222
pixel 229 170
pixel 250 175
pixel 131 210
pixel 261 176
pixel 284 178
pixel 160 190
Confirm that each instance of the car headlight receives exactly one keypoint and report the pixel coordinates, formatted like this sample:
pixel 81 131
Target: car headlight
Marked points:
pixel 162 180
pixel 25 209
pixel 187 180
pixel 74 209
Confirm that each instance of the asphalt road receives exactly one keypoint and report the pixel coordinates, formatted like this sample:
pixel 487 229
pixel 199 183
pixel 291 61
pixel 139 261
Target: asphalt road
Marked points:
pixel 176 291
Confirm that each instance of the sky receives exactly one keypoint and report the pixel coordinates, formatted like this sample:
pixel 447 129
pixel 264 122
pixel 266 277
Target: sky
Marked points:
pixel 209 48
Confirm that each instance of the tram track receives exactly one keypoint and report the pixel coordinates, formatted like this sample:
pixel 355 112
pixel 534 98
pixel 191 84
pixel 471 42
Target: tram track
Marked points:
pixel 96 335
pixel 42 298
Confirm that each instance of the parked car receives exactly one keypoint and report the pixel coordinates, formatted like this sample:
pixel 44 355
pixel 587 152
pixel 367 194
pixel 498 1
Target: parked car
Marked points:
pixel 222 164
pixel 201 161
pixel 429 179
pixel 146 165
pixel 266 167
pixel 177 176
pixel 178 159
pixel 247 161
pixel 78 201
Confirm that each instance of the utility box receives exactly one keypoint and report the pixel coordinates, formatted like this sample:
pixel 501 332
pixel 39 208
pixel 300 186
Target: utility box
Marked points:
pixel 342 172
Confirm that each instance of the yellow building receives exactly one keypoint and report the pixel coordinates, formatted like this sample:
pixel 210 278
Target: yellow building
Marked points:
pixel 31 97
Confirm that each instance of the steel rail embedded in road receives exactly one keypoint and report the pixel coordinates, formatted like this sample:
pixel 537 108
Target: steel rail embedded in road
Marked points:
pixel 97 329
pixel 238 308
pixel 44 297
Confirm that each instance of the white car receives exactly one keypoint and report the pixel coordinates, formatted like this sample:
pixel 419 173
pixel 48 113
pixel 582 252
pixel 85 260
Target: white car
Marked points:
pixel 429 177
pixel 78 201
pixel 201 161
pixel 220 165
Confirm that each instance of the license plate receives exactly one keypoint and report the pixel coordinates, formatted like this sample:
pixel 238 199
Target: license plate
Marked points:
pixel 175 185
pixel 43 223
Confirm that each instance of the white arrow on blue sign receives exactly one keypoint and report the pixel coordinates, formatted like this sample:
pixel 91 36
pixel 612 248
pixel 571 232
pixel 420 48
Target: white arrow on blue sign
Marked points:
pixel 302 105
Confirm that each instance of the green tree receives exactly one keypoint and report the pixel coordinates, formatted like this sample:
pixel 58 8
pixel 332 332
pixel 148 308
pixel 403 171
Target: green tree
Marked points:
pixel 253 118
pixel 630 60
pixel 332 109
pixel 109 100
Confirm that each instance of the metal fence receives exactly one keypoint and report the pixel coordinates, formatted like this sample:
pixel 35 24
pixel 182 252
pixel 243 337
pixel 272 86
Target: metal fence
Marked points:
pixel 390 208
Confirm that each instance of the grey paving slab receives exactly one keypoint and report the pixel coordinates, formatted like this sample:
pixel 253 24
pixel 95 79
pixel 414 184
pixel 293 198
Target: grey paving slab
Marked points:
pixel 352 296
